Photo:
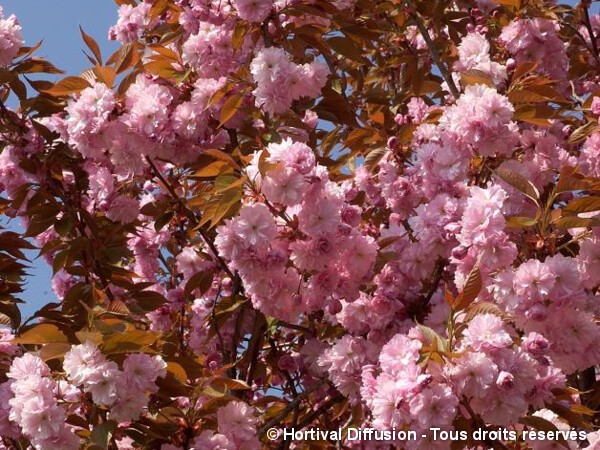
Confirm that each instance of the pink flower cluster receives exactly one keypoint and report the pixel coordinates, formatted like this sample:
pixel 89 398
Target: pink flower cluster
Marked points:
pixel 125 391
pixel 536 41
pixel 474 54
pixel 549 298
pixel 330 258
pixel 496 378
pixel 133 20
pixel 323 282
pixel 236 430
pixel 34 405
pixel 10 38
pixel 37 404
pixel 280 81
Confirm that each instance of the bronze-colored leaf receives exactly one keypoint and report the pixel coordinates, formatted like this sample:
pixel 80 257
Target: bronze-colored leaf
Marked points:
pixel 42 333
pixel 68 86
pixel 567 222
pixel 239 33
pixel 92 45
pixel 471 77
pixel 37 65
pixel 582 132
pixel 105 75
pixel 162 68
pixel 345 47
pixel 470 290
pixel 541 424
pixel 201 281
pixel 485 308
pixel 520 222
pixel 519 182
pixel 54 350
pixel 230 107
pixel 373 158
pixel 130 341
pixel 583 204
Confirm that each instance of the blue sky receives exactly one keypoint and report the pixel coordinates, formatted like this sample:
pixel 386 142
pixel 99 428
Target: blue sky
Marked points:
pixel 57 23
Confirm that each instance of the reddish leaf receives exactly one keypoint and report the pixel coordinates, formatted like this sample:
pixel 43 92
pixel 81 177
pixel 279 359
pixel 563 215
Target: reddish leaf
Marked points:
pixel 68 86
pixel 43 333
pixel 92 45
pixel 230 107
pixel 470 290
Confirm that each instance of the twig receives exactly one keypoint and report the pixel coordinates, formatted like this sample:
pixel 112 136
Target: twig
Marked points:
pixel 588 25
pixel 583 40
pixel 192 217
pixel 437 277
pixel 258 333
pixel 324 407
pixel 213 318
pixel 290 406
pixel 434 53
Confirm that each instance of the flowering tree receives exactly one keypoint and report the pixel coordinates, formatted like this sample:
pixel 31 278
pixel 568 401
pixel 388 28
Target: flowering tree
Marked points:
pixel 290 215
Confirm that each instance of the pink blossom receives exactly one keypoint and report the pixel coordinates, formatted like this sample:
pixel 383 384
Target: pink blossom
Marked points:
pixel 141 371
pixel 132 22
pixel 123 209
pixel 255 224
pixel 10 38
pixel 253 10
pixel 434 406
pixel 486 332
pixel 237 421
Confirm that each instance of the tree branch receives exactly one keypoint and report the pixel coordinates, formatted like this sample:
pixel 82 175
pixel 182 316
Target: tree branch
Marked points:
pixel 432 50
pixel 290 406
pixel 192 217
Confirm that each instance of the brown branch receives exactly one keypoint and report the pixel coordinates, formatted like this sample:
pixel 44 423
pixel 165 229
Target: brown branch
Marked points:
pixel 432 50
pixel 479 422
pixel 192 217
pixel 321 410
pixel 258 334
pixel 213 318
pixel 588 24
pixel 438 271
pixel 290 406
pixel 583 40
